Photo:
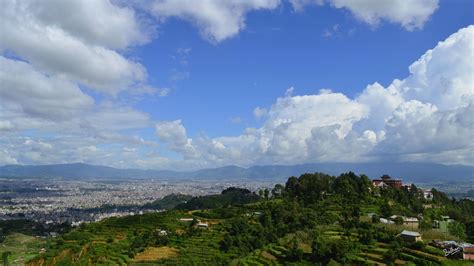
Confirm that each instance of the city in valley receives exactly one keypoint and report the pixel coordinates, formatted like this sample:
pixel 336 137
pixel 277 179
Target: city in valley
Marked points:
pixel 74 202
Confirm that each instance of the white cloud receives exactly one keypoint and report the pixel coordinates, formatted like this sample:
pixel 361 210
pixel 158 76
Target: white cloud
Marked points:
pixel 5 158
pixel 382 102
pixel 74 39
pixel 443 75
pixel 34 94
pixel 217 20
pixel 411 14
pixel 283 138
pixel 174 134
pixel 260 112
pixel 427 116
pixel 6 125
pixel 417 128
pixel 236 120
pixel 48 50
pixel 48 53
pixel 96 22
pixel 299 5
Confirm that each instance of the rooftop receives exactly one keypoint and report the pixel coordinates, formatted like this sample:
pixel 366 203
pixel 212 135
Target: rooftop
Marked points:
pixel 410 233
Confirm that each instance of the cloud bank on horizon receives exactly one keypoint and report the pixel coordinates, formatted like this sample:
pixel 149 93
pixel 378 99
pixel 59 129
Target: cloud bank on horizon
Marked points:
pixel 68 75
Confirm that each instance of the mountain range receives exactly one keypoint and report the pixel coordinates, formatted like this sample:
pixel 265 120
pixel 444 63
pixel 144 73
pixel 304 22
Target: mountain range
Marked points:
pixel 410 172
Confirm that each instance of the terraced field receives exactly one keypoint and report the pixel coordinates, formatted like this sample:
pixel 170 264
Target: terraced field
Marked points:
pixel 269 255
pixel 202 248
pixel 21 247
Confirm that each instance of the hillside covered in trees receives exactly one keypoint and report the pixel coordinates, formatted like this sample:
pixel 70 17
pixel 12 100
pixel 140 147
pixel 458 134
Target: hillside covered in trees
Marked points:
pixel 311 219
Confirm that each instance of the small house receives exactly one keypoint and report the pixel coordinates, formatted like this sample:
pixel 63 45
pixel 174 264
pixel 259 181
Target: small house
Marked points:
pixel 410 221
pixel 410 236
pixel 468 253
pixel 386 221
pixel 202 225
pixel 186 219
pixel 427 195
pixel 442 225
pixel 161 232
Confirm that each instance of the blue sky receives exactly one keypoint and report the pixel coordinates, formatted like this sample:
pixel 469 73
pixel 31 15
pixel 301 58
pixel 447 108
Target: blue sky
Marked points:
pixel 176 85
pixel 279 49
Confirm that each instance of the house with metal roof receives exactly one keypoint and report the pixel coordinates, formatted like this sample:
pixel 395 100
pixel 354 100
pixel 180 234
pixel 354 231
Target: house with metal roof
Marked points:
pixel 410 236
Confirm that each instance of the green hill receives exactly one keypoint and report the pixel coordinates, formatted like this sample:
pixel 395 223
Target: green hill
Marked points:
pixel 228 197
pixel 311 219
pixel 169 202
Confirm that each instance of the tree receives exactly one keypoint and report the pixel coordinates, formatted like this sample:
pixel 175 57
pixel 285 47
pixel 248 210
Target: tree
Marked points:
pixel 457 229
pixel 393 252
pixel 398 220
pixel 278 190
pixel 365 186
pixel 295 253
pixel 319 250
pixel 470 231
pixel 425 224
pixel 386 209
pixel 375 219
pixel 366 236
pixel 5 257
pixel 266 193
pixel 346 185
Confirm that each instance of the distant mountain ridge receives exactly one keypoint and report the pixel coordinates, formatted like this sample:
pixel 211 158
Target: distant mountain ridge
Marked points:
pixel 410 172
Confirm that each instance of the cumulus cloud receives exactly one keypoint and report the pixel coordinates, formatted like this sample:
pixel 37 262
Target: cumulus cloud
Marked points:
pixel 35 94
pixel 410 14
pixel 174 134
pixel 283 138
pixel 48 54
pixel 443 76
pixel 428 116
pixel 415 128
pixel 96 22
pixel 50 50
pixel 58 108
pixel 216 20
pixel 74 39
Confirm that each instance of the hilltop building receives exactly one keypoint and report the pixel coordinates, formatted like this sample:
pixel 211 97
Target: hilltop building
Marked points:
pixel 386 181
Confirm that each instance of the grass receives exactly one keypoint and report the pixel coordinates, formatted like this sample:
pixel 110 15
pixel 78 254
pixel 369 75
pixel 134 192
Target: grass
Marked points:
pixel 268 256
pixel 436 234
pixel 156 253
pixel 22 247
pixel 424 255
pixel 458 263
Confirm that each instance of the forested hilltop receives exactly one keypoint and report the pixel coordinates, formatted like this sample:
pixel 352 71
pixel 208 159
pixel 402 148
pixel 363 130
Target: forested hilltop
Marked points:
pixel 311 219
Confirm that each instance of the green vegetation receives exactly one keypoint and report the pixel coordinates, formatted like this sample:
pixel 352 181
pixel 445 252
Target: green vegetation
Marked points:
pixel 228 197
pixel 168 202
pixel 314 218
pixel 17 248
